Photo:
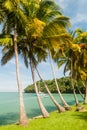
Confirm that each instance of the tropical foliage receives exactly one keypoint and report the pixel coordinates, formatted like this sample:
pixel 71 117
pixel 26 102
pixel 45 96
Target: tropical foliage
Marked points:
pixel 64 86
pixel 34 29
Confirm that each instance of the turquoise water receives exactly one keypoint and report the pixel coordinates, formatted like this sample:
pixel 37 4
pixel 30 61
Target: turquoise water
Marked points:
pixel 9 105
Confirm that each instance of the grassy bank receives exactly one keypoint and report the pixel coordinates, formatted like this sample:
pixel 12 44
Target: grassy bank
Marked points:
pixel 70 120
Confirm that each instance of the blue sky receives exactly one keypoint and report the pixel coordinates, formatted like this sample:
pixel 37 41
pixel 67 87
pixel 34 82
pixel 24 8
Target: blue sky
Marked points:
pixel 77 11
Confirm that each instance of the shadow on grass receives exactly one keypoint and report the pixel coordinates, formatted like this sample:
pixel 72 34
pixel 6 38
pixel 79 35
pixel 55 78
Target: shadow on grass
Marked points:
pixel 80 115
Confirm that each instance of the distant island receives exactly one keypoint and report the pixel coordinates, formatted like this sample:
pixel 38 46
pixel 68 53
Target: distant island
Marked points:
pixel 64 85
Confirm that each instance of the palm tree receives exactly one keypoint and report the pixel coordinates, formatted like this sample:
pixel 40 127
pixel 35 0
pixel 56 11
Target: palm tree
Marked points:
pixel 13 14
pixel 72 81
pixel 81 40
pixel 59 107
pixel 73 59
pixel 82 65
pixel 67 107
pixel 43 110
pixel 69 59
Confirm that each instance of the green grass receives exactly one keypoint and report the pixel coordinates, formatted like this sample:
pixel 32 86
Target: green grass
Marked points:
pixel 70 120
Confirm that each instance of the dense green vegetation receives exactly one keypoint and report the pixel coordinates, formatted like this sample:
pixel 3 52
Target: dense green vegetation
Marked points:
pixel 64 85
pixel 71 120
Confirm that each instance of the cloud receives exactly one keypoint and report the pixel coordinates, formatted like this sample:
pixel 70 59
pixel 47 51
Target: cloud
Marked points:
pixel 79 18
pixel 82 6
pixel 76 10
pixel 62 3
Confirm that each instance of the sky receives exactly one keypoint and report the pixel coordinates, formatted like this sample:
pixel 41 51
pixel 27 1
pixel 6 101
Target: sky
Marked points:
pixel 76 10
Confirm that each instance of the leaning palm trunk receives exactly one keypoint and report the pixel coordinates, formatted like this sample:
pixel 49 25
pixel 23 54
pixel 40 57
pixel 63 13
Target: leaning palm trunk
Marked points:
pixel 85 92
pixel 43 110
pixel 67 107
pixel 72 83
pixel 76 99
pixel 59 107
pixel 80 93
pixel 23 118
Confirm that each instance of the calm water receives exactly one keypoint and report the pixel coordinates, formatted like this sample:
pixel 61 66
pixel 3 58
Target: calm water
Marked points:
pixel 9 105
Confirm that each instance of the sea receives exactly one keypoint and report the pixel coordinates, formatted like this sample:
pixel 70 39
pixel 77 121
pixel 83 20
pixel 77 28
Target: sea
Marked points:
pixel 9 105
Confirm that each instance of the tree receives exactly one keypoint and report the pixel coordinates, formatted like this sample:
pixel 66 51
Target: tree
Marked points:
pixel 81 40
pixel 70 58
pixel 73 58
pixel 43 110
pixel 14 13
pixel 59 107
pixel 67 107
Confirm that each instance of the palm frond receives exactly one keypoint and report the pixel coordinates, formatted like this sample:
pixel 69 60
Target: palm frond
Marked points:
pixel 7 56
pixel 48 10
pixel 61 62
pixel 6 41
pixel 66 67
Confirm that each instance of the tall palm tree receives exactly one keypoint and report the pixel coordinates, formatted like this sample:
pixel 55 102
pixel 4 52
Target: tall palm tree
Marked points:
pixel 59 107
pixel 81 71
pixel 43 110
pixel 14 14
pixel 73 57
pixel 72 82
pixel 67 107
pixel 82 65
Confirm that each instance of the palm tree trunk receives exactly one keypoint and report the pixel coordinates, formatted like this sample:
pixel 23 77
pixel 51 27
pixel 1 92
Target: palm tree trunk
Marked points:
pixel 72 83
pixel 23 118
pixel 67 107
pixel 85 92
pixel 59 107
pixel 80 93
pixel 76 99
pixel 43 110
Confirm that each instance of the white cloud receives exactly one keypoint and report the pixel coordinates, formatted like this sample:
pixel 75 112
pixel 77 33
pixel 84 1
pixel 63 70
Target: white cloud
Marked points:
pixel 79 18
pixel 82 6
pixel 62 3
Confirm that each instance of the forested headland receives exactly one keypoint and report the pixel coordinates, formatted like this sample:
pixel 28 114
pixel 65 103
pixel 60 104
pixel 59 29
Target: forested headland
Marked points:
pixel 64 85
